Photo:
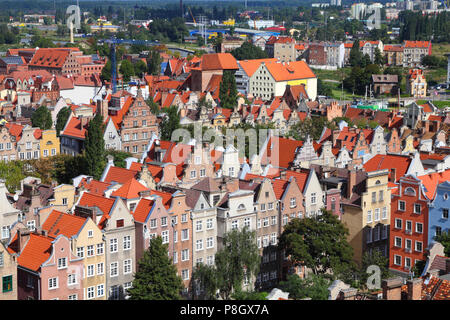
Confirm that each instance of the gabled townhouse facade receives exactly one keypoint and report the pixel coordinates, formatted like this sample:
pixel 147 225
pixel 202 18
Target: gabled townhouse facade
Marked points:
pixel 118 228
pixel 8 149
pixel 8 214
pixel 267 232
pixel 8 273
pixel 236 211
pixel 137 125
pixel 409 225
pixel 366 213
pixel 438 220
pixel 88 245
pixel 204 228
pixel 28 147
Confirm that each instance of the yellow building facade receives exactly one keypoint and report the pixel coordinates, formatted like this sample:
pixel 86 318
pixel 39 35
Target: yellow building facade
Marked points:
pixel 63 197
pixel 89 242
pixel 49 143
pixel 368 221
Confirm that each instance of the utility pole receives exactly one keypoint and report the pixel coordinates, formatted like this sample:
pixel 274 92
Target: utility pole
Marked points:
pixel 181 8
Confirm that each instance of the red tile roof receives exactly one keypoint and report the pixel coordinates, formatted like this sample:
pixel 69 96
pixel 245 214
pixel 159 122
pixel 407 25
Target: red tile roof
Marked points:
pixel 63 223
pixel 142 210
pixel 15 130
pixel 120 175
pixel 300 177
pixel 250 66
pixel 290 71
pixel 104 204
pixel 279 186
pixel 417 44
pixel 94 187
pixel 381 162
pixel 166 197
pixel 130 190
pixel 431 181
pixel 49 58
pixel 37 250
pixel 75 129
pixel 118 118
pixel 286 149
pixel 218 61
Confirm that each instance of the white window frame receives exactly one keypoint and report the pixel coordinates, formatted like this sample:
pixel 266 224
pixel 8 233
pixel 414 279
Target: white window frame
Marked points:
pixel 60 265
pixel 100 268
pixel 114 266
pixel 127 266
pixel 53 283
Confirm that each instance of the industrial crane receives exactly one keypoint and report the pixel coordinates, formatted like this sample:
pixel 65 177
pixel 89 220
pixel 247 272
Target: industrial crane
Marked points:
pixel 195 23
pixel 113 42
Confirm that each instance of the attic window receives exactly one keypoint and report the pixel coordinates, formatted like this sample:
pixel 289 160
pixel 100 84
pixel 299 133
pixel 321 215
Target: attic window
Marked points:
pixel 119 223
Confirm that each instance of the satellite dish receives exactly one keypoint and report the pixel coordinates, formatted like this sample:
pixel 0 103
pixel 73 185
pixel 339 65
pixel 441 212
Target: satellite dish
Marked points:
pixel 16 197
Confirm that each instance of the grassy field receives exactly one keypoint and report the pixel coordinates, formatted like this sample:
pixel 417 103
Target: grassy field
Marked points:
pixel 332 74
pixel 438 103
pixel 440 49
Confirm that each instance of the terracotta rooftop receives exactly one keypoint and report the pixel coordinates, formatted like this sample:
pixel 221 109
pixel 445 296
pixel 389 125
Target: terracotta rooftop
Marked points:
pixel 62 223
pixel 130 190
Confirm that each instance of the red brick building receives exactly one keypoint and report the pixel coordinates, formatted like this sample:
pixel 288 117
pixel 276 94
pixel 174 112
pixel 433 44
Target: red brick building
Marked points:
pixel 66 61
pixel 409 225
pixel 135 121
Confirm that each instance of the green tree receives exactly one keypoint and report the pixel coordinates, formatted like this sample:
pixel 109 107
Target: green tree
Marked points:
pixel 248 51
pixel 66 167
pixel 378 58
pixel 228 91
pixel 251 295
pixel 318 242
pixel 444 239
pixel 308 127
pixel 323 89
pixel 42 118
pixel 154 107
pixel 314 287
pixel 154 63
pixel 239 258
pixel 119 157
pixel 204 281
pixel 156 277
pixel 170 123
pixel 355 54
pixel 61 119
pixel 12 173
pixel 106 74
pixel 376 258
pixel 94 147
pixel 140 68
pixel 126 69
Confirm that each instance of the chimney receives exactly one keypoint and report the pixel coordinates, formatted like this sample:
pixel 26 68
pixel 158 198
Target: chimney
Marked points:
pixel 23 235
pixel 85 212
pixel 351 182
pixel 335 136
pixel 145 194
pixel 393 175
pixel 414 289
pixel 232 185
pixel 392 288
pixel 110 159
pixel 84 121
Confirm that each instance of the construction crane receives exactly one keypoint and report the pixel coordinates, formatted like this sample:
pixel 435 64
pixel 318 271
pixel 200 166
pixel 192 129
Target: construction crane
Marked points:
pixel 113 42
pixel 195 23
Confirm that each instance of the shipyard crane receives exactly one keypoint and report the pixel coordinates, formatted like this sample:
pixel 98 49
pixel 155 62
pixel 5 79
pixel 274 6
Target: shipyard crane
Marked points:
pixel 113 42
